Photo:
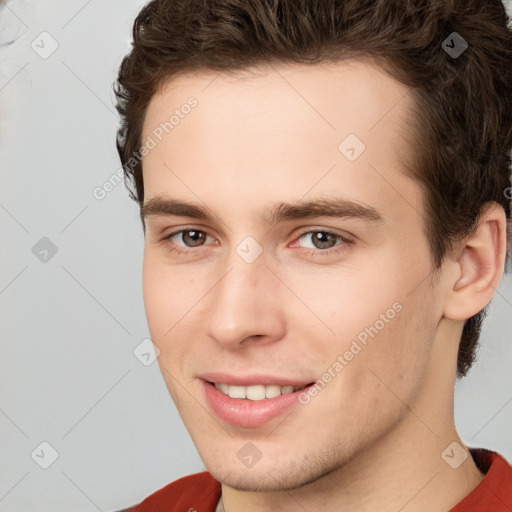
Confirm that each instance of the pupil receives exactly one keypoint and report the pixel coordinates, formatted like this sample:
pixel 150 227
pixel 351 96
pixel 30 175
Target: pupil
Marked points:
pixel 196 238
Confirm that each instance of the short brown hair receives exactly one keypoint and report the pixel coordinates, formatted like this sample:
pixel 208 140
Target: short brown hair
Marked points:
pixel 462 123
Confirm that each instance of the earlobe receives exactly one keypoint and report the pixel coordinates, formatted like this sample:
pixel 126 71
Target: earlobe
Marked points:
pixel 479 266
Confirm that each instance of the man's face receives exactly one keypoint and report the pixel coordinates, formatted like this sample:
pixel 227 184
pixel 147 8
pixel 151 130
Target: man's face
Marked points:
pixel 246 297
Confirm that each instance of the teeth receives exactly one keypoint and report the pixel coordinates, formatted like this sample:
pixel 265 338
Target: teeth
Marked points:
pixel 255 392
pixel 272 391
pixel 236 392
pixel 258 392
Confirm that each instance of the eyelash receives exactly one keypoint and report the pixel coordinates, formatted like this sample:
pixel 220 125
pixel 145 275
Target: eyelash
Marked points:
pixel 310 252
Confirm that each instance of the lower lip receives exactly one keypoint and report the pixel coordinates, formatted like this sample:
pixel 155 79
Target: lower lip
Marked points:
pixel 245 412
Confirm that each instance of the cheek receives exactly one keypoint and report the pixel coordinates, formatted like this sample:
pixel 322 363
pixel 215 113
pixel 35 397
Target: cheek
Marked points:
pixel 152 293
pixel 162 294
pixel 349 301
pixel 384 328
pixel 164 284
pixel 170 294
pixel 398 356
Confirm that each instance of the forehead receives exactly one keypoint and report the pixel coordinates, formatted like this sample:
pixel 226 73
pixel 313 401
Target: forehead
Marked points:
pixel 359 90
pixel 281 127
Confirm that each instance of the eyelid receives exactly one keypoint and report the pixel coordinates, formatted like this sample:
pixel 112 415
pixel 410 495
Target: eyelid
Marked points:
pixel 186 227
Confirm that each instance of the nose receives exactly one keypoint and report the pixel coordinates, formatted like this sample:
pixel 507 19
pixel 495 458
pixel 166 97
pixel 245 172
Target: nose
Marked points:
pixel 245 305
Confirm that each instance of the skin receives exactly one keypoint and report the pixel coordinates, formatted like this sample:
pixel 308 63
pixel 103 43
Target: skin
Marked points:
pixel 372 439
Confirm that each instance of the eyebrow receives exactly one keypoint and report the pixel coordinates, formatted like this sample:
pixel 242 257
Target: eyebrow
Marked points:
pixel 324 207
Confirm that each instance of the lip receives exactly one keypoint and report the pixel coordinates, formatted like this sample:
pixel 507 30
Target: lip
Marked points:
pixel 244 412
pixel 252 380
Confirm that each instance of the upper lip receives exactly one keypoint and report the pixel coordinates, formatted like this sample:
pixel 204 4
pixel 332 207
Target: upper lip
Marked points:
pixel 252 380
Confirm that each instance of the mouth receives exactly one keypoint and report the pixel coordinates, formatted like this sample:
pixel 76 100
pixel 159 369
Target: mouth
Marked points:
pixel 253 405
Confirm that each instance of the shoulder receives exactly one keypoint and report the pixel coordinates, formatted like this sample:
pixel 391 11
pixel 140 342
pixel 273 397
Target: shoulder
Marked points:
pixel 190 493
pixel 494 492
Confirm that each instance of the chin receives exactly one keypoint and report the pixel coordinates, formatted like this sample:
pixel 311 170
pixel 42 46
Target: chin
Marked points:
pixel 260 481
pixel 271 476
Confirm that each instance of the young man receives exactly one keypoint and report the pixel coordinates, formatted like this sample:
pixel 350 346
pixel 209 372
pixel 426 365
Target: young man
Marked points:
pixel 325 193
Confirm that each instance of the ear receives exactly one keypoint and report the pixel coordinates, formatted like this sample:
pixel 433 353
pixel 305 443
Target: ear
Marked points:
pixel 479 266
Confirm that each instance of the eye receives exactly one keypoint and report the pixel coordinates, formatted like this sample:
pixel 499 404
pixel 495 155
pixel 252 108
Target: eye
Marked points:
pixel 187 238
pixel 323 241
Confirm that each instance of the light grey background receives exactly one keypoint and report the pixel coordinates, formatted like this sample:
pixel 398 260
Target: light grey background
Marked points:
pixel 70 325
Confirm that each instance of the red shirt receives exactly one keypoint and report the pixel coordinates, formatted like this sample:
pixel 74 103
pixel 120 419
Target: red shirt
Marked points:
pixel 201 492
